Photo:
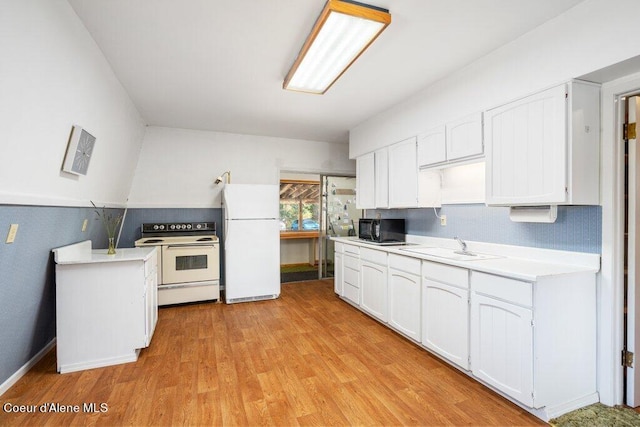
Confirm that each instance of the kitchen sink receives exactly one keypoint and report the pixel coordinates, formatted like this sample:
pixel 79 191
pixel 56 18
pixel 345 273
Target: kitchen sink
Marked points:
pixel 450 254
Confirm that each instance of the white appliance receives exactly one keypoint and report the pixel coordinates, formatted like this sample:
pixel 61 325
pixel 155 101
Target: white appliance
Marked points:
pixel 251 242
pixel 189 260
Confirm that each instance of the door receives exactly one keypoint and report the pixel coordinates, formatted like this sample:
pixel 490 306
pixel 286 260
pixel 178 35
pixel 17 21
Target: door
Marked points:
pixel 445 321
pixel 340 217
pixel 252 259
pixel 502 346
pixel 403 174
pixel 190 263
pixel 526 158
pixel 244 201
pixel 464 137
pixel 365 181
pixel 374 289
pixel 633 254
pixel 405 303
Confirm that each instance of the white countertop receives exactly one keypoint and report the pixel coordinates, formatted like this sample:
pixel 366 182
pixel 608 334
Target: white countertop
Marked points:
pixel 531 269
pixel 81 253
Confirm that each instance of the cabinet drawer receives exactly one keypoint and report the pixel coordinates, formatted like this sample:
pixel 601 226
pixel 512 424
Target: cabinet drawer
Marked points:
pixel 352 293
pixel 352 249
pixel 372 255
pixel 351 277
pixel 405 263
pixel 339 247
pixel 352 262
pixel 448 274
pixel 503 288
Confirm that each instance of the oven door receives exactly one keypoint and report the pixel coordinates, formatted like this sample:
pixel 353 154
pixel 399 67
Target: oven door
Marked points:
pixel 190 263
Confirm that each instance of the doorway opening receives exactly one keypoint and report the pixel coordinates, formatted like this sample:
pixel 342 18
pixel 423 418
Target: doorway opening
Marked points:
pixel 300 217
pixel 339 217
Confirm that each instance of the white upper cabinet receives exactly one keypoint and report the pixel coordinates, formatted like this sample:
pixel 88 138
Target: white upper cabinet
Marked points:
pixel 464 137
pixel 457 140
pixel 432 146
pixel 381 159
pixel 403 174
pixel 365 181
pixel 544 149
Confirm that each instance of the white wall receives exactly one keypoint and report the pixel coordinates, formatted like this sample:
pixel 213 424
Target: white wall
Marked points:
pixel 592 35
pixel 52 76
pixel 178 167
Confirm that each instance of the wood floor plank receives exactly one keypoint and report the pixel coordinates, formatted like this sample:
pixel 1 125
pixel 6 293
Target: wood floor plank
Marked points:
pixel 307 358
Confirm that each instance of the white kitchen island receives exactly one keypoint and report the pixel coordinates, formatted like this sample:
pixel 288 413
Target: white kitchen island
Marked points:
pixel 106 305
pixel 520 320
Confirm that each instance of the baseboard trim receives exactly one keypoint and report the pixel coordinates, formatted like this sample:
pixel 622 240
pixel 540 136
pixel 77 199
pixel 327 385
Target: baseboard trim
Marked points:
pixel 26 367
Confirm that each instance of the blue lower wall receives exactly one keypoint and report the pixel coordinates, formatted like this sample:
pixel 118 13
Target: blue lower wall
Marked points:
pixel 577 229
pixel 27 275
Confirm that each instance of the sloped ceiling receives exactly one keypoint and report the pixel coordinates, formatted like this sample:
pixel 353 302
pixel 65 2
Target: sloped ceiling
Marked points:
pixel 219 65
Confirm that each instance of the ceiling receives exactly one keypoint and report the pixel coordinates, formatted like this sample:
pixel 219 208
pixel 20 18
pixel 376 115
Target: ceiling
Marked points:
pixel 219 65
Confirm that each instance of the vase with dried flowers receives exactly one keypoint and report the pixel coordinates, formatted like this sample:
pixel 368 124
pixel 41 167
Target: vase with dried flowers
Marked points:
pixel 111 223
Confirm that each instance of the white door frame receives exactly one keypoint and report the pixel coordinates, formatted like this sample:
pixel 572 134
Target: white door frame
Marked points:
pixel 611 277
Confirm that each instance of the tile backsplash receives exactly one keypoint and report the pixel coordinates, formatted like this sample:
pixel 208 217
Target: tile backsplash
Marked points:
pixel 577 228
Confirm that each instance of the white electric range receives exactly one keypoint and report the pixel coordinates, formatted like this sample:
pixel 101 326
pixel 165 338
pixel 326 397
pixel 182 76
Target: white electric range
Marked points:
pixel 189 260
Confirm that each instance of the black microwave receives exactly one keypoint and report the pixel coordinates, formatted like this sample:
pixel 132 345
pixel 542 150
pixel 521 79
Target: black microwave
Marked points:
pixel 381 230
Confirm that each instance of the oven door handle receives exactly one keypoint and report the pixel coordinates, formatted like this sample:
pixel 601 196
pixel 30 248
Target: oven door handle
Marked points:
pixel 185 285
pixel 189 246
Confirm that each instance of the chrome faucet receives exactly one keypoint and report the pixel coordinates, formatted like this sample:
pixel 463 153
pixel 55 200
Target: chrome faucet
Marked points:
pixel 463 247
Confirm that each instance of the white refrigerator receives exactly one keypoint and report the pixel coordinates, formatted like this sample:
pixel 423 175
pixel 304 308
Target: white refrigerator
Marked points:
pixel 251 242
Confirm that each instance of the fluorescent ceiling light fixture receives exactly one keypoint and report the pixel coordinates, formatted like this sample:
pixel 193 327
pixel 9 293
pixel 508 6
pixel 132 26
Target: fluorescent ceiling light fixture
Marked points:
pixel 342 32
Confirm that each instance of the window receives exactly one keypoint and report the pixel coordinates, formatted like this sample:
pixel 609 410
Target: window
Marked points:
pixel 299 205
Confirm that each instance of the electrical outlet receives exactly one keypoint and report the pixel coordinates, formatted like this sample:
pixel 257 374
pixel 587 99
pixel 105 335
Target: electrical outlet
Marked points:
pixel 443 220
pixel 84 225
pixel 13 230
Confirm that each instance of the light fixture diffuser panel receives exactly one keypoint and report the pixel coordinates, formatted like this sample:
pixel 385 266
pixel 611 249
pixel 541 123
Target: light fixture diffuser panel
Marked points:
pixel 342 32
pixel 79 151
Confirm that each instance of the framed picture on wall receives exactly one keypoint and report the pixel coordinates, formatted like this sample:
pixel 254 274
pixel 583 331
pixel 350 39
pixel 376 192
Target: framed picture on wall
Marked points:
pixel 79 151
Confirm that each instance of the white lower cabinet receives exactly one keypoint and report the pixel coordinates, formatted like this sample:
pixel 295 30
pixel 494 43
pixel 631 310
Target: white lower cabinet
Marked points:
pixel 445 312
pixel 532 341
pixel 106 305
pixel 536 341
pixel 404 295
pixel 373 282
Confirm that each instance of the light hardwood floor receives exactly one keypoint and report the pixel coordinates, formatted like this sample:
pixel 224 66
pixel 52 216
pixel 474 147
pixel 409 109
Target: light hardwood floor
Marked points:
pixel 307 358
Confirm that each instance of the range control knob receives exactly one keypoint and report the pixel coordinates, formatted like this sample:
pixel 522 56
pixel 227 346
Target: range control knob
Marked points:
pixel 172 226
pixel 155 227
pixel 198 226
pixel 188 226
pixel 162 227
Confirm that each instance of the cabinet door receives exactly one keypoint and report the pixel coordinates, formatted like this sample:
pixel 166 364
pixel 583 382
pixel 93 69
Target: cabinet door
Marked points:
pixel 338 279
pixel 445 321
pixel 373 281
pixel 432 147
pixel 464 137
pixel 403 174
pixel 526 150
pixel 365 181
pixel 502 346
pixel 381 178
pixel 404 303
